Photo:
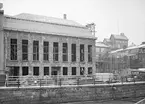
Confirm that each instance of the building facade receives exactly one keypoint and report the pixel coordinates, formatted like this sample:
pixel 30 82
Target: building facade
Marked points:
pixel 119 41
pixel 102 59
pixel 38 46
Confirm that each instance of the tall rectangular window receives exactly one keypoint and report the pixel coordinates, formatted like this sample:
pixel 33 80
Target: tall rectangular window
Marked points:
pixel 65 52
pixel 35 50
pixel 55 51
pixel 73 52
pixel 90 71
pixel 82 70
pixel 46 70
pixel 13 54
pixel 74 72
pixel 65 70
pixel 82 53
pixel 46 51
pixel 25 71
pixel 36 71
pixel 89 53
pixel 24 49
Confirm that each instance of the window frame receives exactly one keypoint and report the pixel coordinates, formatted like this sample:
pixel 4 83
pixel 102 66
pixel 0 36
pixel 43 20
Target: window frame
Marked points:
pixel 25 54
pixel 13 49
pixel 46 51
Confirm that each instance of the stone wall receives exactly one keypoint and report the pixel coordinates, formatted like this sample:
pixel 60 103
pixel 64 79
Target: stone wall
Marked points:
pixel 50 63
pixel 50 95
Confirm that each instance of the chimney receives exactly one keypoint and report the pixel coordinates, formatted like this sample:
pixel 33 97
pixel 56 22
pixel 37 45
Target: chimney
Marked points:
pixel 64 16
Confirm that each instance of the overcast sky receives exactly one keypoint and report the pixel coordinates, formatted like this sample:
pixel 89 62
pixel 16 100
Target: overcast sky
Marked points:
pixel 110 16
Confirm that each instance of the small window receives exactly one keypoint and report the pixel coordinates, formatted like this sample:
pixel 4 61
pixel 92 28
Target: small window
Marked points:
pixel 25 71
pixel 82 70
pixel 46 70
pixel 36 71
pixel 89 70
pixel 74 71
pixel 65 70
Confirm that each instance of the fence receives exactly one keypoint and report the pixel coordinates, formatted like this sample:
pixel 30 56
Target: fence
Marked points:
pixel 22 81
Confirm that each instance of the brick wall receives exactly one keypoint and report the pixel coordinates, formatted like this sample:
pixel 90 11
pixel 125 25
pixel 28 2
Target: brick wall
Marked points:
pixel 50 38
pixel 70 94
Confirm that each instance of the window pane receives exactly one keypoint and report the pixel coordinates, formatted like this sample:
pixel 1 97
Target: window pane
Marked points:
pixel 36 71
pixel 89 53
pixel 13 47
pixel 46 50
pixel 73 70
pixel 55 51
pixel 25 71
pixel 73 52
pixel 82 70
pixel 35 50
pixel 65 70
pixel 81 52
pixel 89 70
pixel 46 70
pixel 24 49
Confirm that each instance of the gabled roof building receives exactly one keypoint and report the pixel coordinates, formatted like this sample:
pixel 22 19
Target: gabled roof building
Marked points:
pixel 44 46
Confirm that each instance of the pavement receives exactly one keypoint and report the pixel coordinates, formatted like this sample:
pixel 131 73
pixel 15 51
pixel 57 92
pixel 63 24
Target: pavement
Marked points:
pixel 102 102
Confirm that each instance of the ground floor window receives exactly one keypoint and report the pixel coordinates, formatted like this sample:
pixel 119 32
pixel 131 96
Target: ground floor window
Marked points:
pixel 65 71
pixel 90 70
pixel 74 71
pixel 14 71
pixel 36 71
pixel 82 70
pixel 46 70
pixel 25 71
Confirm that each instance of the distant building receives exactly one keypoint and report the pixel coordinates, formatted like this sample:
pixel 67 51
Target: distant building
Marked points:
pixel 116 41
pixel 45 46
pixel 102 61
pixel 119 41
pixel 107 42
pixel 131 57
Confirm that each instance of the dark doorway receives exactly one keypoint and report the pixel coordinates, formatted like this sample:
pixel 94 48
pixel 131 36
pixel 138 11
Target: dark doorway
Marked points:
pixel 14 71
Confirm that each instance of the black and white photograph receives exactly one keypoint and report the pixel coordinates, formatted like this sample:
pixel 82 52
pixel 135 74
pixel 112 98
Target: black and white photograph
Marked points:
pixel 72 51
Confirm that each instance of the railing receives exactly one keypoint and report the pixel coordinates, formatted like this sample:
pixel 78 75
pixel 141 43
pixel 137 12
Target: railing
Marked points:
pixel 22 81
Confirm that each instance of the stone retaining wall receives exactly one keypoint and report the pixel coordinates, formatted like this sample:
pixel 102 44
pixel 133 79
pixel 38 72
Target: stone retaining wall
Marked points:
pixel 51 95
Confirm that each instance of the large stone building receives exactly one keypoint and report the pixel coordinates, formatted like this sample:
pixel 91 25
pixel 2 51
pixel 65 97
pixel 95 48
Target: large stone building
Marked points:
pixel 38 46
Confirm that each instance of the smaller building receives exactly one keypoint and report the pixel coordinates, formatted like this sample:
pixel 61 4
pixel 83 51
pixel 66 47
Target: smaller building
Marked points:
pixel 131 57
pixel 119 41
pixel 116 41
pixel 102 61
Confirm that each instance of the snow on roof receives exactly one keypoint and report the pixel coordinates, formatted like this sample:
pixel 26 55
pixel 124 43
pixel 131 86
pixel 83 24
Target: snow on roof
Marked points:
pixel 123 37
pixel 100 44
pixel 41 18
pixel 129 48
pixel 46 25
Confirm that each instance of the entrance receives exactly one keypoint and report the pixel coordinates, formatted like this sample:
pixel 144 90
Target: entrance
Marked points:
pixel 14 71
pixel 55 70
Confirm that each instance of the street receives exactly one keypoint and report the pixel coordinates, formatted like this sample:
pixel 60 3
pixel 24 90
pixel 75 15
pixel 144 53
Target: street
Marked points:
pixel 102 102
